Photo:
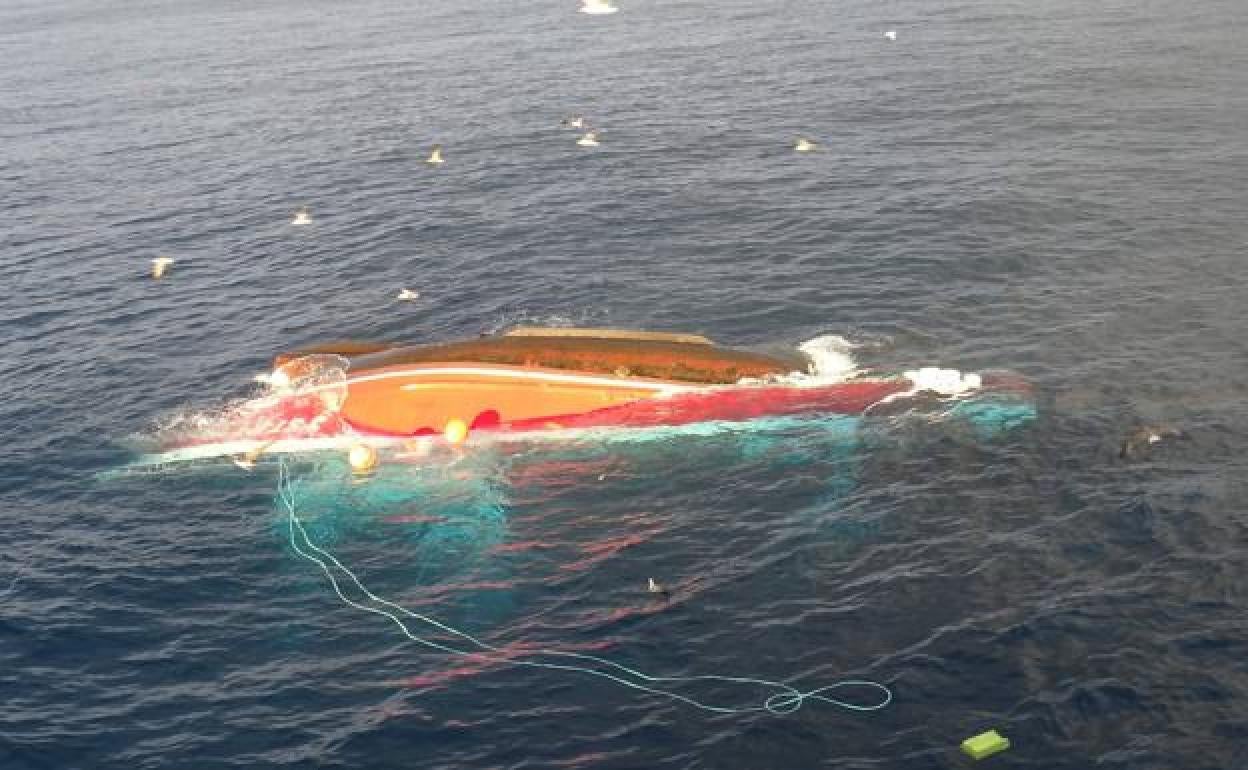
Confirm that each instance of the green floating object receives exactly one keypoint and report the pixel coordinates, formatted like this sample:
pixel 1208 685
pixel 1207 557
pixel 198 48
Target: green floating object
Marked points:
pixel 985 745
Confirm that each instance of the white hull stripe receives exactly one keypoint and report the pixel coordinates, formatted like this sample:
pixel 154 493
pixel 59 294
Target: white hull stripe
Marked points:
pixel 659 388
pixel 520 374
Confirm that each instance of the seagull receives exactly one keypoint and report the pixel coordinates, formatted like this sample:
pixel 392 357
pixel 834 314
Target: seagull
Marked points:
pixel 407 295
pixel 576 121
pixel 804 145
pixel 435 157
pixel 590 139
pixel 597 7
pixel 1142 439
pixel 159 265
pixel 654 587
pixel 891 34
pixel 302 217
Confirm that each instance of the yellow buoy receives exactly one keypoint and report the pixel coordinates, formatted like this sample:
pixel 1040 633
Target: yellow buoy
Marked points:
pixel 362 458
pixel 456 431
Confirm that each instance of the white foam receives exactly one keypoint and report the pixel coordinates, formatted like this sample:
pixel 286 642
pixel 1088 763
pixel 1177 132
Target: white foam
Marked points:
pixel 831 359
pixel 946 382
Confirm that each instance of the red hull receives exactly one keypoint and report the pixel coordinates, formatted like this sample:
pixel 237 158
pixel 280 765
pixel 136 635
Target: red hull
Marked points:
pixel 732 404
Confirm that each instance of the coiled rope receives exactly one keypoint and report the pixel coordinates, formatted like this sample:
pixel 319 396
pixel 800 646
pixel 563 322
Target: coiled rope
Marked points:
pixel 785 700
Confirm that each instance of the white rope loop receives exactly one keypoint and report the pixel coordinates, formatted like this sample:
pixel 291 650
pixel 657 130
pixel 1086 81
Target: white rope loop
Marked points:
pixel 788 700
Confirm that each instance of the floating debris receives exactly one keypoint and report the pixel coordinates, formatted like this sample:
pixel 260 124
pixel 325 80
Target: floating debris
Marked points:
pixel 248 460
pixel 985 745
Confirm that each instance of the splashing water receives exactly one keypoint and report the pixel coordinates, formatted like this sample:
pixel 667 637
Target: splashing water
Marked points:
pixel 831 358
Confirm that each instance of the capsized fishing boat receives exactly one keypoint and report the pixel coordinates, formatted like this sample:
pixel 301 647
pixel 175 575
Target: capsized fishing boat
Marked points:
pixel 542 379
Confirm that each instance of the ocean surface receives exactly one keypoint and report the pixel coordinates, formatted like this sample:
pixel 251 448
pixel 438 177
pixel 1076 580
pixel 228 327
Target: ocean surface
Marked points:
pixel 1051 187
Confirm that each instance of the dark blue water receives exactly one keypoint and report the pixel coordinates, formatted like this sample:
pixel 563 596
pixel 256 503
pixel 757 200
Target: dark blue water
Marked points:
pixel 1052 187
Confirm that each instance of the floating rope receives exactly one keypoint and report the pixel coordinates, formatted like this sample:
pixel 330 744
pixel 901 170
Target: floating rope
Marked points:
pixel 785 700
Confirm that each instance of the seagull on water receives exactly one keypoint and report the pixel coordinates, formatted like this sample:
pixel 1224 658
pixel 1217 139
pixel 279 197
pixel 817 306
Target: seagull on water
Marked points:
pixel 159 265
pixel 407 295
pixel 435 157
pixel 302 216
pixel 1142 439
pixel 597 7
pixel 590 139
pixel 804 145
